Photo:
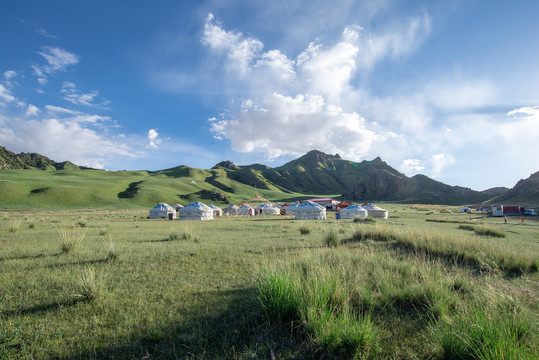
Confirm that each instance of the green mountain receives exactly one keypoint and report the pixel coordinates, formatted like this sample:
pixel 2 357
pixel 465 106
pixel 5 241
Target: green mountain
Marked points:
pixel 35 181
pixel 10 160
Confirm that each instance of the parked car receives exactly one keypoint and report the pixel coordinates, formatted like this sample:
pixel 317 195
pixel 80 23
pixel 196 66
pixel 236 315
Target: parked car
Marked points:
pixel 530 212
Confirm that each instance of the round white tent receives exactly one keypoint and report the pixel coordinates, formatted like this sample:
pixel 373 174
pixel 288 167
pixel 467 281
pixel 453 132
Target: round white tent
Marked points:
pixel 161 211
pixel 267 209
pixel 376 212
pixel 216 210
pixel 196 211
pixel 245 209
pixel 353 211
pixel 231 210
pixel 309 210
pixel 290 209
pixel 177 207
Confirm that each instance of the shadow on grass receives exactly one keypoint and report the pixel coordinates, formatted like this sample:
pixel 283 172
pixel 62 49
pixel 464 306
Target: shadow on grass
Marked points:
pixel 41 307
pixel 82 262
pixel 227 326
pixel 24 257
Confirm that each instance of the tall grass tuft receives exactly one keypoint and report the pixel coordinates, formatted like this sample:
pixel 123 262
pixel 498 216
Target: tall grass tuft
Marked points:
pixel 332 239
pixel 14 226
pixel 489 231
pixel 279 297
pixel 89 287
pixel 112 253
pixel 70 241
pixel 304 230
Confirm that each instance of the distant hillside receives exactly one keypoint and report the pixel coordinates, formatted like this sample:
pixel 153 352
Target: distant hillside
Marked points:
pixel 525 193
pixel 320 173
pixel 10 160
pixel 65 185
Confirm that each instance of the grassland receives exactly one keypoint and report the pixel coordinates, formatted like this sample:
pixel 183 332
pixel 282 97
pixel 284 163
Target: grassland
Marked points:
pixel 114 284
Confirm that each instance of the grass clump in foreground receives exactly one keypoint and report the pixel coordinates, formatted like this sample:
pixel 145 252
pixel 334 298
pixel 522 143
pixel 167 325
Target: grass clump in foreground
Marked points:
pixel 89 287
pixel 304 230
pixel 486 331
pixel 332 239
pixel 70 241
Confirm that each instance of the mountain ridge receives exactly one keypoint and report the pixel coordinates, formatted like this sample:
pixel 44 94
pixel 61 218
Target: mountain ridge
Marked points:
pixel 313 174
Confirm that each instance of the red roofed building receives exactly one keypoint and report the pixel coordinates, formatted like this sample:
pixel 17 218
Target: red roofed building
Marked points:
pixel 328 203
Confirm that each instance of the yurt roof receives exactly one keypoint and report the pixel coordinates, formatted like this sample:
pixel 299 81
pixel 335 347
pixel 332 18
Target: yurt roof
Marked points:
pixel 196 205
pixel 372 207
pixel 177 206
pixel 294 205
pixel 232 206
pixel 214 207
pixel 354 207
pixel 245 206
pixel 266 206
pixel 163 206
pixel 309 205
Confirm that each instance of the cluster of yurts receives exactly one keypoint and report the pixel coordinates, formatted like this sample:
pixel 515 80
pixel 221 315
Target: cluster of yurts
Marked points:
pixel 302 211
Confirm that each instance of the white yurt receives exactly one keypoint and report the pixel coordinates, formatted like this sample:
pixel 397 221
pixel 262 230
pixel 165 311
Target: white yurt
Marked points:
pixel 309 211
pixel 267 209
pixel 196 211
pixel 216 210
pixel 231 210
pixel 376 212
pixel 353 211
pixel 289 210
pixel 177 207
pixel 245 209
pixel 161 211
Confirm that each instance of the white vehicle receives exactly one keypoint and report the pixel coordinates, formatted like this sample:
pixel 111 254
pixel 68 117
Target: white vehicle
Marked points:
pixel 530 212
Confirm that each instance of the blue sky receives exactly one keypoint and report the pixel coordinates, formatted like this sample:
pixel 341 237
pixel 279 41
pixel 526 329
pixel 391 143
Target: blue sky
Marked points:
pixel 443 88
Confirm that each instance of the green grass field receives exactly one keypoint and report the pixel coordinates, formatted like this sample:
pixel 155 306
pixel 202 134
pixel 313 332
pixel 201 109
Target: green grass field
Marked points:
pixel 114 284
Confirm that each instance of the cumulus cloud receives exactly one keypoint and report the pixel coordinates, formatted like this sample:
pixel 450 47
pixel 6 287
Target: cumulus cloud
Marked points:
pixel 295 105
pixel 439 161
pixel 60 140
pixel 411 165
pixel 31 110
pixel 153 140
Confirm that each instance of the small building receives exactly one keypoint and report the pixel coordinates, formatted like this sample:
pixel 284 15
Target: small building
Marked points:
pixel 231 210
pixel 245 209
pixel 162 211
pixel 267 209
pixel 310 211
pixel 354 211
pixel 290 209
pixel 465 209
pixel 375 211
pixel 507 210
pixel 196 211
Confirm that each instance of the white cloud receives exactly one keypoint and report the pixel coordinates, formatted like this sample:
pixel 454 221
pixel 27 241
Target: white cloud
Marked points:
pixel 292 106
pixel 153 140
pixel 289 125
pixel 5 95
pixel 9 74
pixel 438 162
pixel 57 59
pixel 75 96
pixel 413 165
pixel 60 140
pixel 31 110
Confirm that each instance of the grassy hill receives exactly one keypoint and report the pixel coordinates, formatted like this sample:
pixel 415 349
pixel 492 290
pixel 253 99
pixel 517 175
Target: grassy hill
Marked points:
pixel 35 181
